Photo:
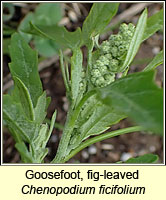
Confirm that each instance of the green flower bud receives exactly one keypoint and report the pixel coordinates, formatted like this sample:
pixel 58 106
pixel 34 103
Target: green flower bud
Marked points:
pixel 127 31
pixel 129 37
pixel 116 41
pixel 114 51
pixel 93 80
pixel 100 81
pixel 123 28
pixel 112 38
pixel 103 69
pixel 109 78
pixel 108 56
pixel 105 47
pixel 119 37
pixel 122 50
pixel 95 72
pixel 112 55
pixel 99 63
pixel 104 60
pixel 83 74
pixel 81 85
pixel 131 27
pixel 114 65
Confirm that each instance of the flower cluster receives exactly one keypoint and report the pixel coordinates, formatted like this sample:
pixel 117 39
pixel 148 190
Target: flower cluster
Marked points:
pixel 112 54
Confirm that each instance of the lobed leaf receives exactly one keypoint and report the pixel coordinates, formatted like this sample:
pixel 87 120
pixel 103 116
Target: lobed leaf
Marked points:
pixel 24 25
pixel 157 60
pixel 21 127
pixel 24 98
pixel 93 120
pixel 154 23
pixel 58 34
pixel 98 18
pixel 40 109
pixel 136 40
pixel 46 47
pixel 24 66
pixel 22 116
pixel 40 141
pixel 41 137
pixel 101 120
pixel 48 13
pixel 39 144
pixel 45 14
pixel 138 97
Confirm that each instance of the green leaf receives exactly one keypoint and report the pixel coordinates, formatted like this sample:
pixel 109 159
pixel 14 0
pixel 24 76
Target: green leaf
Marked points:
pixel 24 98
pixel 147 158
pixel 52 124
pixel 58 34
pixel 76 74
pixel 98 18
pixel 44 134
pixel 45 14
pixel 93 120
pixel 40 140
pixel 48 14
pixel 154 23
pixel 136 40
pixel 46 47
pixel 26 156
pixel 13 115
pixel 102 118
pixel 138 97
pixel 24 66
pixel 40 109
pixel 41 155
pixel 39 143
pixel 24 25
pixel 157 60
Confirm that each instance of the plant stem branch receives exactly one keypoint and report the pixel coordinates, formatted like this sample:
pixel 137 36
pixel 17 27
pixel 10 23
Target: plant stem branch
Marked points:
pixel 100 138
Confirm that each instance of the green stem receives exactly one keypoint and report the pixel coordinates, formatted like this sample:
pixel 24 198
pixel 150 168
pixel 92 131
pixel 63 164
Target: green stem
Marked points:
pixel 125 72
pixel 68 129
pixel 89 64
pixel 67 74
pixel 100 138
pixel 63 72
